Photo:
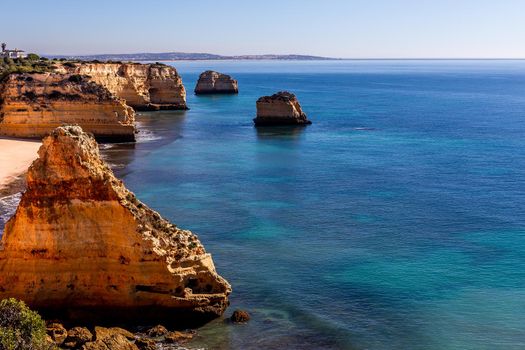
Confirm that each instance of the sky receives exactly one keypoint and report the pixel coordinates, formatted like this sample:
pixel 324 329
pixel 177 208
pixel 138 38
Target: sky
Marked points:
pixel 332 28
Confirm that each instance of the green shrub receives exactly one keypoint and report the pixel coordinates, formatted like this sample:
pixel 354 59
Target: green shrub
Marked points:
pixel 76 78
pixel 33 57
pixel 20 328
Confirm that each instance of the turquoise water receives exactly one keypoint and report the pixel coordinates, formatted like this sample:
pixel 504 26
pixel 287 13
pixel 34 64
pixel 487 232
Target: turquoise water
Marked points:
pixel 395 221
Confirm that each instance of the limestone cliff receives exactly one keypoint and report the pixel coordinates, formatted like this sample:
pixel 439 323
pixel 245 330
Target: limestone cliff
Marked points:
pixel 32 105
pixel 81 242
pixel 282 108
pixel 211 82
pixel 143 86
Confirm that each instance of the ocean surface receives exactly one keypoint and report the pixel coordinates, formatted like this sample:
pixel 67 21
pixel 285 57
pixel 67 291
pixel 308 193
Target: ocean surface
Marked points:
pixel 395 221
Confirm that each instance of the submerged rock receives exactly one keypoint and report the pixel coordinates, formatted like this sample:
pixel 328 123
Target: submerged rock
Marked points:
pixel 32 105
pixel 240 316
pixel 282 108
pixel 81 246
pixel 211 82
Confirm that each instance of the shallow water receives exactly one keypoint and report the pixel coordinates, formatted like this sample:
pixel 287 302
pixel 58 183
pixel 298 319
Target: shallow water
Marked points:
pixel 395 221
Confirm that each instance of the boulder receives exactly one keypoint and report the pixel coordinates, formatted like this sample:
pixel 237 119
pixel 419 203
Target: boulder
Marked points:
pixel 113 342
pixel 57 332
pixel 240 316
pixel 282 108
pixel 211 82
pixel 76 337
pixel 146 344
pixel 83 247
pixel 157 331
pixel 102 333
pixel 178 337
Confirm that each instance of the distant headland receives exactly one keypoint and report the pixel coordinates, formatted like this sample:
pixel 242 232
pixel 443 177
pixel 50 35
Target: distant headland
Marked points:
pixel 183 56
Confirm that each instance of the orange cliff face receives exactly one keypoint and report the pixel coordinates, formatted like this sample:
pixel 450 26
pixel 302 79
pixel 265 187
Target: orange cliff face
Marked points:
pixel 143 86
pixel 82 246
pixel 32 105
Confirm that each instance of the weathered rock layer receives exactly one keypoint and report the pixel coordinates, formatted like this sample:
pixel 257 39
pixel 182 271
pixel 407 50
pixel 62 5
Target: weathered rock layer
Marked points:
pixel 80 243
pixel 32 105
pixel 211 82
pixel 282 108
pixel 143 86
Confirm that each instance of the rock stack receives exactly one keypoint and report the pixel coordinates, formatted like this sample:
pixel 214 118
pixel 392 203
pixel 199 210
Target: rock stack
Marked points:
pixel 211 82
pixel 82 246
pixel 282 108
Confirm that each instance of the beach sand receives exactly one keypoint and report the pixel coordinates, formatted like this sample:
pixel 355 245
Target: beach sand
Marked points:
pixel 15 158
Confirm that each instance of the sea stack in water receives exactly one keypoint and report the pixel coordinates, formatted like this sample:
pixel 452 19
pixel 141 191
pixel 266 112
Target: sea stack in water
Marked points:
pixel 32 105
pixel 282 108
pixel 211 82
pixel 80 243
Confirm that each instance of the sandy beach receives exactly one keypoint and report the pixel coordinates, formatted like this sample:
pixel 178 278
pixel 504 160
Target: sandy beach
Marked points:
pixel 15 158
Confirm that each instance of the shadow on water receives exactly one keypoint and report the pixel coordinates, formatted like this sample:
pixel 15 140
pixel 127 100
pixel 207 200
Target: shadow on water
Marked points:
pixel 155 130
pixel 271 132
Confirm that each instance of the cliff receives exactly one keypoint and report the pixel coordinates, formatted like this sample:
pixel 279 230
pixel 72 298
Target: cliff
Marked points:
pixel 282 108
pixel 83 246
pixel 32 105
pixel 211 82
pixel 143 86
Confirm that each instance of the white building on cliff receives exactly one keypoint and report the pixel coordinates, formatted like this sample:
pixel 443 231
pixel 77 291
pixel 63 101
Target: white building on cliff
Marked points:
pixel 16 53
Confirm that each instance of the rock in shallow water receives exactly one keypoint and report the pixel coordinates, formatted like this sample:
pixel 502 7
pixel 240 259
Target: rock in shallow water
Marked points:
pixel 240 316
pixel 211 82
pixel 81 246
pixel 282 108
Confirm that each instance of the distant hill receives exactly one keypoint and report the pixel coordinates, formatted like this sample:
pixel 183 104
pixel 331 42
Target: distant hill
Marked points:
pixel 183 56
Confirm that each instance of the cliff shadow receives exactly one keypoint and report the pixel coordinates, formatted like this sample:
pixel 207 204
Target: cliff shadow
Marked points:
pixel 154 130
pixel 272 132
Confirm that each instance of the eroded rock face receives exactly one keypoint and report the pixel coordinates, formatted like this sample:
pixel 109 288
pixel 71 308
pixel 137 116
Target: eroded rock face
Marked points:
pixel 211 82
pixel 32 105
pixel 80 244
pixel 143 86
pixel 282 108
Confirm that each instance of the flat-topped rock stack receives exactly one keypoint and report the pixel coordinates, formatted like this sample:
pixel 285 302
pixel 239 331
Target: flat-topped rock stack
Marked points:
pixel 32 105
pixel 282 108
pixel 82 246
pixel 145 87
pixel 211 82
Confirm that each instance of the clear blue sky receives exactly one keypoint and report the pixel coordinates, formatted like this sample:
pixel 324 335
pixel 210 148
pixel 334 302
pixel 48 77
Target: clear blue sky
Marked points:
pixel 338 28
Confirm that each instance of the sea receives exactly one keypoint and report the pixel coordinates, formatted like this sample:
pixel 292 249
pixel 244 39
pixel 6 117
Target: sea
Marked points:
pixel 395 221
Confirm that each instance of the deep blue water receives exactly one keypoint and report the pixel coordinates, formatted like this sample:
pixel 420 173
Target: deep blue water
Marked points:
pixel 395 221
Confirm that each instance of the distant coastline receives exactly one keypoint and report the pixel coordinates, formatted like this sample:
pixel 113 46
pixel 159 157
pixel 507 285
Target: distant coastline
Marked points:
pixel 183 56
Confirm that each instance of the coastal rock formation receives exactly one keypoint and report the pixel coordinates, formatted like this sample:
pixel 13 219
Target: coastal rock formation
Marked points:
pixel 282 108
pixel 82 246
pixel 32 105
pixel 211 82
pixel 144 86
